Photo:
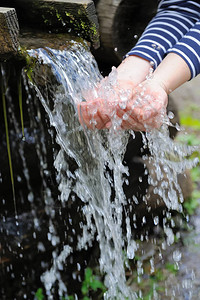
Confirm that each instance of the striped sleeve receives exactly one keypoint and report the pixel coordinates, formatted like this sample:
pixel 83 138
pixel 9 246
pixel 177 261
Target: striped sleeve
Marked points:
pixel 189 49
pixel 173 21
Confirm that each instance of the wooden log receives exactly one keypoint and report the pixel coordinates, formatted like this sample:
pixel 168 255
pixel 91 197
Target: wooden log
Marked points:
pixel 75 16
pixel 33 39
pixel 121 24
pixel 9 31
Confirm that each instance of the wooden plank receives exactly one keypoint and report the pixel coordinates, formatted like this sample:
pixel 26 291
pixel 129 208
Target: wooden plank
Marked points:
pixel 9 31
pixel 76 16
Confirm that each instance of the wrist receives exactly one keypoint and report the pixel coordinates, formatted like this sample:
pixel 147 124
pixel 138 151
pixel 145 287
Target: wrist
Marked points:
pixel 159 81
pixel 172 72
pixel 133 69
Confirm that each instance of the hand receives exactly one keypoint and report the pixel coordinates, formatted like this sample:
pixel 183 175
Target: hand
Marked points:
pixel 138 108
pixel 110 96
pixel 146 109
pixel 113 91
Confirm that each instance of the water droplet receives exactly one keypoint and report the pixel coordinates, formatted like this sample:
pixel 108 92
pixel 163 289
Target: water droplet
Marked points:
pixel 170 115
pixel 125 116
pixel 122 104
pixel 132 247
pixel 177 126
pixel 177 255
pixel 30 197
pixel 156 220
pixel 144 220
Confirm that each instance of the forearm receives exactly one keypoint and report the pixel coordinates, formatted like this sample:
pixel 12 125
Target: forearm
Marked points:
pixel 172 72
pixel 173 20
pixel 133 70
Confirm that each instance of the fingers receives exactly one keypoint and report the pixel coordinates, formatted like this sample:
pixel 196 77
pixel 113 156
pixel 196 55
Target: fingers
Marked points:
pixel 92 115
pixel 96 116
pixel 129 121
pixel 145 110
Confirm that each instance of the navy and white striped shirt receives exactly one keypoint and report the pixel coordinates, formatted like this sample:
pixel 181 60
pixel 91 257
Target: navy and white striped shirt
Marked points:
pixel 175 28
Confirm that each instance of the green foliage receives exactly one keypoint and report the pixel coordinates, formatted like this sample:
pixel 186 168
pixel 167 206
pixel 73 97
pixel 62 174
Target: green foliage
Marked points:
pixel 30 62
pixel 195 174
pixel 39 294
pixel 91 283
pixel 172 268
pixel 193 202
pixel 191 205
pixel 149 283
pixel 189 121
pixel 68 298
pixel 190 117
pixel 191 139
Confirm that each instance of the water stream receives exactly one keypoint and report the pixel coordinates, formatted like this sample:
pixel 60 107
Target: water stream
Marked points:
pixel 89 167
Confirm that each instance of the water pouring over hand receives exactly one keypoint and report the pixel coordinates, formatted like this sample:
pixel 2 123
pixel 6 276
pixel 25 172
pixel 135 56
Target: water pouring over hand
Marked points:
pixel 144 108
pixel 134 97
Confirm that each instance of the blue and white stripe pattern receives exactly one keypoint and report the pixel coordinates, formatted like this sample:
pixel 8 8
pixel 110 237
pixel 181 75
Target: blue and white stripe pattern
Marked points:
pixel 175 28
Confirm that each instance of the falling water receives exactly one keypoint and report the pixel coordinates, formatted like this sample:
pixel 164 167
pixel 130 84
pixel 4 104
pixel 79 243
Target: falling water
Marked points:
pixel 90 167
pixel 76 72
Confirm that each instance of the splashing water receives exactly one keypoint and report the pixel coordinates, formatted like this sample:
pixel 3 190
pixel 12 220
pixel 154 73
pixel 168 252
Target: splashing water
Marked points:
pixel 62 79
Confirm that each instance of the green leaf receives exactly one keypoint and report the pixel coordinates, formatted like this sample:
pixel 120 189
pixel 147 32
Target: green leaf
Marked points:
pixel 171 267
pixel 39 294
pixel 96 284
pixel 191 204
pixel 84 288
pixel 86 298
pixel 190 139
pixel 195 174
pixel 71 297
pixel 188 121
pixel 88 274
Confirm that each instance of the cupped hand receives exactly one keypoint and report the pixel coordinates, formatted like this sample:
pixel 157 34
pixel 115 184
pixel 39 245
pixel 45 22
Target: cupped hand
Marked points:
pixel 101 111
pixel 146 109
pixel 138 108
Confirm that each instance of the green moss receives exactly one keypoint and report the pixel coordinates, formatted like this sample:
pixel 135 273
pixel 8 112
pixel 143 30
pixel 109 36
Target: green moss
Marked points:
pixel 80 25
pixel 29 62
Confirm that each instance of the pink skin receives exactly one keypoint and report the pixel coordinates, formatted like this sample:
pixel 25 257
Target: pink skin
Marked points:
pixel 150 110
pixel 152 94
pixel 147 113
